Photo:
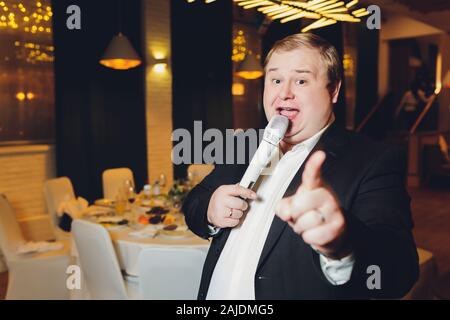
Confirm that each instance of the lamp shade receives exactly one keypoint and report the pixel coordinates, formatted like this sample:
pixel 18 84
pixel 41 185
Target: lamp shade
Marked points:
pixel 249 68
pixel 446 80
pixel 120 54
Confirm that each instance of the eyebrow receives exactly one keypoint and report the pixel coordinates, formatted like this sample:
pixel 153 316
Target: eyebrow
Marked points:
pixel 303 71
pixel 296 70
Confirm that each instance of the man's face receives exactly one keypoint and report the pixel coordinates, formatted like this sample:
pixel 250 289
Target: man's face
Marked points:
pixel 296 86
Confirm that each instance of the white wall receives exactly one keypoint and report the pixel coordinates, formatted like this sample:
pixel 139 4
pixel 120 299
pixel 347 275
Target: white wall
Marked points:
pixel 396 27
pixel 400 27
pixel 158 90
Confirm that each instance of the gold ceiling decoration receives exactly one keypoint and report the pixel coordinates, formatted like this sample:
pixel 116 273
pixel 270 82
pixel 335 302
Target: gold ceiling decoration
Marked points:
pixel 325 12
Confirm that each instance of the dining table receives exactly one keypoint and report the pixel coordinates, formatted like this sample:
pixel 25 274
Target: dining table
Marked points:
pixel 130 238
pixel 128 246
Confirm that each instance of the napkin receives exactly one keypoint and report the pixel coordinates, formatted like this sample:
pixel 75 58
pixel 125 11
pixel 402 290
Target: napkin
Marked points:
pixel 70 209
pixel 97 211
pixel 148 231
pixel 40 246
pixel 73 207
pixel 142 233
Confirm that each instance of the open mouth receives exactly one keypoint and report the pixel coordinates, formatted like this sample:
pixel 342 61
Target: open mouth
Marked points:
pixel 288 112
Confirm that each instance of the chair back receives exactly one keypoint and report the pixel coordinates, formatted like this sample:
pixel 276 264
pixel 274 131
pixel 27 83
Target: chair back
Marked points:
pixel 57 191
pixel 113 180
pixel 11 236
pixel 170 274
pixel 98 261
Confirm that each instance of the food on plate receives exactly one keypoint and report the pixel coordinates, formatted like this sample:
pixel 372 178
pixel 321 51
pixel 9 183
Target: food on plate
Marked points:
pixel 156 219
pixel 169 219
pixel 157 210
pixel 143 220
pixel 170 227
pixel 114 223
pixel 105 202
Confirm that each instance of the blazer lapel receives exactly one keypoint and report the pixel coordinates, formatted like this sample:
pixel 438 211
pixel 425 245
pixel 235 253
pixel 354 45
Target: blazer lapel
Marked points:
pixel 330 142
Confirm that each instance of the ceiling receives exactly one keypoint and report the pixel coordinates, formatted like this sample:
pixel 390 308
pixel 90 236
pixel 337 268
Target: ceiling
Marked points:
pixel 426 6
pixel 433 12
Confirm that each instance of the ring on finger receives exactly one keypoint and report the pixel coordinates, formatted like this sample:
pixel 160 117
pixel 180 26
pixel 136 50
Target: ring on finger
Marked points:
pixel 231 212
pixel 322 216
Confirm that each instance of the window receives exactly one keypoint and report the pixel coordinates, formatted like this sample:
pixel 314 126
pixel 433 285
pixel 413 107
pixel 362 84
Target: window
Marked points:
pixel 26 72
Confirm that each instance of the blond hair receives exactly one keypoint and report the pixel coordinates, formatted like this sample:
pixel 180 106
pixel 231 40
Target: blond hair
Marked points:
pixel 328 53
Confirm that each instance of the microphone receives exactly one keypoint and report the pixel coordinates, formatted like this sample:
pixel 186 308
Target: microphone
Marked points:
pixel 273 133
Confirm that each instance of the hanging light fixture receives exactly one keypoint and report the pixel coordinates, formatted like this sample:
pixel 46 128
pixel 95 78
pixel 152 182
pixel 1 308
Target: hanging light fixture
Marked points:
pixel 250 68
pixel 120 54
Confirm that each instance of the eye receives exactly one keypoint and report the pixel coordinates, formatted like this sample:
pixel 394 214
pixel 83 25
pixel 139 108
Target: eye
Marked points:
pixel 301 82
pixel 276 81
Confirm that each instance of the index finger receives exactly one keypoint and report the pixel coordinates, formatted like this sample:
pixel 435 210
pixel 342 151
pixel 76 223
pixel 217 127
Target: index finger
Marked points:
pixel 237 190
pixel 311 175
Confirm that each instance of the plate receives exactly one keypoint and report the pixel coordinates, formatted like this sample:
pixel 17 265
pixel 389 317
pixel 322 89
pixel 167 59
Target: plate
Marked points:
pixel 145 233
pixel 175 234
pixel 96 211
pixel 155 202
pixel 105 202
pixel 109 219
pixel 115 227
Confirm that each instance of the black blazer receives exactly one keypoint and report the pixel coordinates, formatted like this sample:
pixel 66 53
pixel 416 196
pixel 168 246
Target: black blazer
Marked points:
pixel 368 179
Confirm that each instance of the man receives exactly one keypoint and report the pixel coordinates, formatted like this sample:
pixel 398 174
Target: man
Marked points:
pixel 343 227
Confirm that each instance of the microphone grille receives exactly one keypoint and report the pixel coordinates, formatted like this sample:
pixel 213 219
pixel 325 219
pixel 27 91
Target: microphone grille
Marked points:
pixel 278 124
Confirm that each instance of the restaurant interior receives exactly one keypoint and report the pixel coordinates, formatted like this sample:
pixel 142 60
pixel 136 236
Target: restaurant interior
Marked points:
pixel 91 93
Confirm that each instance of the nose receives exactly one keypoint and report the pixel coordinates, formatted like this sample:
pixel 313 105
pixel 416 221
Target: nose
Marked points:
pixel 286 92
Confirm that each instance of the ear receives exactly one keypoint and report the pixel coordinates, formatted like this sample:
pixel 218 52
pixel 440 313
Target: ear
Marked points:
pixel 335 92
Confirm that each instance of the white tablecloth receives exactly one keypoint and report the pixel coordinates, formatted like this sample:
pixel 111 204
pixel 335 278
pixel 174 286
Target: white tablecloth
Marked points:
pixel 128 248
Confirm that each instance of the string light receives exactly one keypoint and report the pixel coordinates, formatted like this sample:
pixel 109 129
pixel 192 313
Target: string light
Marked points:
pixel 32 18
pixel 20 96
pixel 239 47
pixel 20 17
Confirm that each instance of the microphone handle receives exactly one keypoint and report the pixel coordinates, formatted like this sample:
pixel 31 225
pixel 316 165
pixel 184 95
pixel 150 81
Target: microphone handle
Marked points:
pixel 259 161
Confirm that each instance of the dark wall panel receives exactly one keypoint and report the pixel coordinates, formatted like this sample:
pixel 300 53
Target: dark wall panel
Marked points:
pixel 367 76
pixel 100 112
pixel 201 65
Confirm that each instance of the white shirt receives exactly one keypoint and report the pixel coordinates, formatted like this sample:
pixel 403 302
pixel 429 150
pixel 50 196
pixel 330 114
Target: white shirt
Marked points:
pixel 234 274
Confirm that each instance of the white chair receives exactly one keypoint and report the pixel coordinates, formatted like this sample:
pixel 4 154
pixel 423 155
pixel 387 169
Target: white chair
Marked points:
pixel 197 172
pixel 170 273
pixel 57 191
pixel 113 180
pixel 99 263
pixel 35 275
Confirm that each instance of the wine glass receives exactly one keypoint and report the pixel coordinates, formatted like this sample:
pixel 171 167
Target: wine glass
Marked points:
pixel 191 179
pixel 176 202
pixel 129 190
pixel 162 180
